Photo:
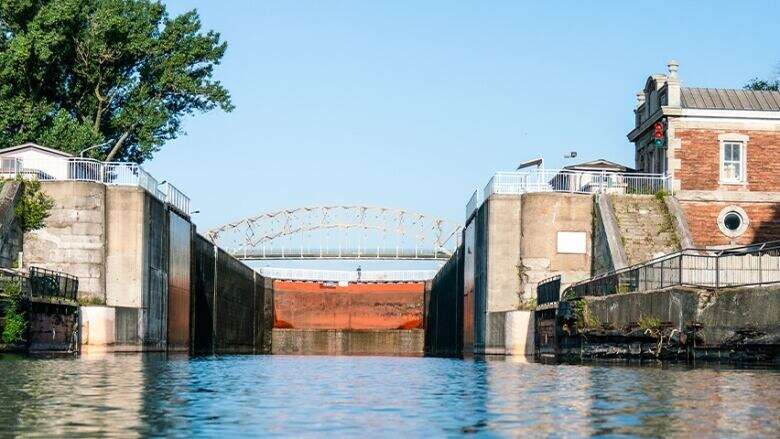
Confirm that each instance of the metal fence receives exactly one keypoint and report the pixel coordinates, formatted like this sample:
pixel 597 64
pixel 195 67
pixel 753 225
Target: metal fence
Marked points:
pixel 53 284
pixel 82 169
pixel 757 264
pixel 41 283
pixel 564 180
pixel 548 290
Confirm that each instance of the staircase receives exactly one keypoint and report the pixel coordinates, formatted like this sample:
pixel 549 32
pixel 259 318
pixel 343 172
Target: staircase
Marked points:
pixel 646 229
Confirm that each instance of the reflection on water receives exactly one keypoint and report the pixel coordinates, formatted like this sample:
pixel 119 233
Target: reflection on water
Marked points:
pixel 364 396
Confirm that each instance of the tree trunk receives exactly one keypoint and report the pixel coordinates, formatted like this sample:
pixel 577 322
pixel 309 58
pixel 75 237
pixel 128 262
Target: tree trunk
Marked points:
pixel 118 145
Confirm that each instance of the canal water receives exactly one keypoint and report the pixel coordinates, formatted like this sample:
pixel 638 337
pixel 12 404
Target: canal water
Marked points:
pixel 179 396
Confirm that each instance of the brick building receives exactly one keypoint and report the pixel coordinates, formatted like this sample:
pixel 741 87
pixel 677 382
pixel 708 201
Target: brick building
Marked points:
pixel 721 148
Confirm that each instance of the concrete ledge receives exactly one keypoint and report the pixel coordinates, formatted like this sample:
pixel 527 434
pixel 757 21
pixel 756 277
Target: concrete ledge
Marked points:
pixel 752 313
pixel 348 342
pixel 612 231
pixel 681 227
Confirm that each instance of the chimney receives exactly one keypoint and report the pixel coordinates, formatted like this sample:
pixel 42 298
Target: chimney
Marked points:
pixel 673 84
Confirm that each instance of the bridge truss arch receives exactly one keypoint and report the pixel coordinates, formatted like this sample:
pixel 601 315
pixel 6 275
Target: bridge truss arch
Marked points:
pixel 338 232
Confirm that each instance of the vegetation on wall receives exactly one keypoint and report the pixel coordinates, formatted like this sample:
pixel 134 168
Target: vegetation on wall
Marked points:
pixel 14 321
pixel 33 206
pixel 117 74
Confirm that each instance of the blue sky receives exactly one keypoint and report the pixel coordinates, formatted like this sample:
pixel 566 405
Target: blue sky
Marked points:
pixel 414 104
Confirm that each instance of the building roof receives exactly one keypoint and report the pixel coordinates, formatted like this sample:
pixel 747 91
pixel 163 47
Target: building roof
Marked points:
pixel 31 145
pixel 599 165
pixel 729 99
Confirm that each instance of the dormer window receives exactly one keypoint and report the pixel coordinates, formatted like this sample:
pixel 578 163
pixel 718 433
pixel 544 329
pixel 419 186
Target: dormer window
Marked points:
pixel 732 158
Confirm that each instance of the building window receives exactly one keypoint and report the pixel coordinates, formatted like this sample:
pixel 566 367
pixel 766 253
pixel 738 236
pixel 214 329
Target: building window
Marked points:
pixel 733 153
pixel 733 221
pixel 733 163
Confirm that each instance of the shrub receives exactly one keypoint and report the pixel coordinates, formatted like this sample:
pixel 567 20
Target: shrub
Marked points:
pixel 33 206
pixel 14 322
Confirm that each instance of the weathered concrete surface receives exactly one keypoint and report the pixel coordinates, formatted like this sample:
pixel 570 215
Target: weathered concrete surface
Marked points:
pixel 11 237
pixel 73 240
pixel 126 246
pixel 646 228
pixel 509 246
pixel 608 251
pixel 510 333
pixel 519 333
pixel 98 328
pixel 727 317
pixel 323 305
pixel 544 216
pixel 503 252
pixel 348 342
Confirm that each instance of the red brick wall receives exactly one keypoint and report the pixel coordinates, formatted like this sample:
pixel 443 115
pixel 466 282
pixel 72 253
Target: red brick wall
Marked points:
pixel 700 160
pixel 318 305
pixel 702 218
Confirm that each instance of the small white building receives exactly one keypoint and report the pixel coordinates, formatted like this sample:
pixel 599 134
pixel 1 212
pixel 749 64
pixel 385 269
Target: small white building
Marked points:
pixel 36 161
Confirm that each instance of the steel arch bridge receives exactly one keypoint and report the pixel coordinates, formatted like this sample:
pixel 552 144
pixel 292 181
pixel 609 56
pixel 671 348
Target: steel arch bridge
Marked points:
pixel 338 232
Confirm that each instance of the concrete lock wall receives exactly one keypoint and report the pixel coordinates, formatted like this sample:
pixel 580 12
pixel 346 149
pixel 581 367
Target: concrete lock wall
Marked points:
pixel 232 306
pixel 74 238
pixel 512 243
pixel 722 314
pixel 444 309
pixel 202 294
pixel 179 282
pixel 149 279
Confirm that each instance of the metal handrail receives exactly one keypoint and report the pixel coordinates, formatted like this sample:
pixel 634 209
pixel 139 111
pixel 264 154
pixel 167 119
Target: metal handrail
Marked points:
pixel 85 169
pixel 755 264
pixel 571 181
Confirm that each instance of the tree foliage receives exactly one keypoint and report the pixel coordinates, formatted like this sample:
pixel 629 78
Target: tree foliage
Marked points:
pixel 33 207
pixel 762 84
pixel 123 73
pixel 14 321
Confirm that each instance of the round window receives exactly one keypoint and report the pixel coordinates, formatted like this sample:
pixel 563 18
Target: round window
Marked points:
pixel 732 221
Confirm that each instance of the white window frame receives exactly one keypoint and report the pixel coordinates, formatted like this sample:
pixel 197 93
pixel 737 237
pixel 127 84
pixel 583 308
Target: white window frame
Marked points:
pixel 733 139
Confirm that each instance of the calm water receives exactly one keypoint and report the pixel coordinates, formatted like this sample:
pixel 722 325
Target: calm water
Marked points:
pixel 138 395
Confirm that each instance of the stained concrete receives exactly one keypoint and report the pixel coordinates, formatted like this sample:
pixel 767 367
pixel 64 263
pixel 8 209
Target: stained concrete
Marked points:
pixel 73 240
pixel 722 314
pixel 348 342
pixel 510 245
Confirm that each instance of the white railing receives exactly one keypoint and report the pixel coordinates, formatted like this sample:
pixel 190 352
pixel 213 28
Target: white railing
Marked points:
pixel 348 276
pixel 81 169
pixel 563 180
pixel 177 199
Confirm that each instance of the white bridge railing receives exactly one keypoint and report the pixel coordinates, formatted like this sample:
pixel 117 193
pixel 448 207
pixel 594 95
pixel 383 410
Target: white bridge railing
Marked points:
pixel 82 169
pixel 348 276
pixel 563 180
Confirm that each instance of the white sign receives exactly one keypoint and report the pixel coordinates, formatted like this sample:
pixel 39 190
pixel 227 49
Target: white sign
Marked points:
pixel 572 242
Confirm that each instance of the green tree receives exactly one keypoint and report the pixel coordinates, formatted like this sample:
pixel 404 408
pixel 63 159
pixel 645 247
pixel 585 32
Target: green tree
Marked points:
pixel 765 84
pixel 761 84
pixel 121 73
